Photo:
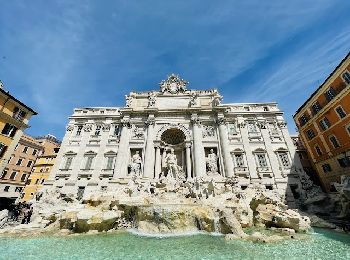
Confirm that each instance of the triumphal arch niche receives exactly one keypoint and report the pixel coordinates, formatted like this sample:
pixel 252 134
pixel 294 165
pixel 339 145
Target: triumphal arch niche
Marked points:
pixel 177 133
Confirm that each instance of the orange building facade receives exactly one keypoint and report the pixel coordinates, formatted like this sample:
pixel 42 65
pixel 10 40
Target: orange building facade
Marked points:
pixel 323 122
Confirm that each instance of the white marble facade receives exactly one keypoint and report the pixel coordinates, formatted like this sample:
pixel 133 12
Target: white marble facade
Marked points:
pixel 176 132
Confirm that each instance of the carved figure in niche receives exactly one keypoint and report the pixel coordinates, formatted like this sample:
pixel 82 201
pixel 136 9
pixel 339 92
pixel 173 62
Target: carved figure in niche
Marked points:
pixel 171 164
pixel 151 99
pixel 212 162
pixel 136 164
pixel 128 101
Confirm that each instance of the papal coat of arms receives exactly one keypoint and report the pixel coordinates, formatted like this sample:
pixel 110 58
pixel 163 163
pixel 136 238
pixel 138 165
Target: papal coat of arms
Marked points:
pixel 173 84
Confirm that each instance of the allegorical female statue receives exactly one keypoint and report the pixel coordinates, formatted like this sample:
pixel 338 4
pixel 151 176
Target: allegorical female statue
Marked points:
pixel 212 162
pixel 136 164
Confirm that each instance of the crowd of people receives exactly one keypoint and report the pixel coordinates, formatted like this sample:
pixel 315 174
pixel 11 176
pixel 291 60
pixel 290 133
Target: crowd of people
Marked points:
pixel 21 212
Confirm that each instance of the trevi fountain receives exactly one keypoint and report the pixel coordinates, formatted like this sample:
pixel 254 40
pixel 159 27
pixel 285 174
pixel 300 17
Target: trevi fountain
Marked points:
pixel 177 174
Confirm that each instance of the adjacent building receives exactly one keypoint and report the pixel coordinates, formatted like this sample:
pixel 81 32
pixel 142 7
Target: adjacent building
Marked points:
pixel 14 118
pixel 42 167
pixel 323 122
pixel 16 173
pixel 180 133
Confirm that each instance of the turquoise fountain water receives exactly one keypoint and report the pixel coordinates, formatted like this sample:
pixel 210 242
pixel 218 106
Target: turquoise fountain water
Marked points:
pixel 322 244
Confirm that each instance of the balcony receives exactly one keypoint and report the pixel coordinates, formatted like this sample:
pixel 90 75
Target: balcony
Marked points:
pixel 64 175
pixel 264 172
pixel 241 171
pixel 106 173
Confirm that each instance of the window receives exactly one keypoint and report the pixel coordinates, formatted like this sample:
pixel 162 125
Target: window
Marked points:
pixel 116 130
pixel 23 177
pixel 9 130
pixel 346 77
pixel 80 128
pixel 318 150
pixel 3 149
pixel 6 189
pixel 18 113
pixel 25 149
pixel 88 162
pixel 29 164
pixel 239 160
pixel 98 130
pixel 344 162
pixel 303 120
pixel 67 163
pixel 283 156
pixel 37 181
pixel 18 189
pixel 34 152
pixel 110 161
pixel 19 162
pixel 310 134
pixel 330 94
pixel 261 158
pixel 316 107
pixel 348 129
pixel 3 174
pixel 341 113
pixel 252 127
pixel 325 124
pixel 13 175
pixel 334 141
pixel 326 168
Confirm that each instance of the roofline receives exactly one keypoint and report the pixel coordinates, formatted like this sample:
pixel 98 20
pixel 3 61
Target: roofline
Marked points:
pixel 330 75
pixel 7 93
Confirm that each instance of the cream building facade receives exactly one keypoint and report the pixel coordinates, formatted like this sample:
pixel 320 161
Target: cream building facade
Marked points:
pixel 176 133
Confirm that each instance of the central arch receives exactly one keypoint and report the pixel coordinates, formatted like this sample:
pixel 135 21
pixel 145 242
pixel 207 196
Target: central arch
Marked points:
pixel 173 136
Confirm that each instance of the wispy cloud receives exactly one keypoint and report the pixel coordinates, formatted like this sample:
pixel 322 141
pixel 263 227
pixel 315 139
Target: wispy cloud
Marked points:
pixel 63 54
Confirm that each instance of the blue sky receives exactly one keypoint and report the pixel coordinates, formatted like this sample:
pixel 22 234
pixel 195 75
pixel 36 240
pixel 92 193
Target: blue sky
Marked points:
pixel 58 55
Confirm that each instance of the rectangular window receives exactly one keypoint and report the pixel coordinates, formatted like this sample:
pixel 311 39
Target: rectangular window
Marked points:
pixel 316 107
pixel 19 162
pixel 18 189
pixel 303 120
pixel 348 129
pixel 3 149
pixel 239 160
pixel 284 159
pixel 13 175
pixel 334 141
pixel 68 163
pixel 98 130
pixel 6 189
pixel 18 114
pixel 310 134
pixel 326 168
pixel 116 130
pixel 25 149
pixel 346 77
pixel 3 175
pixel 110 161
pixel 252 127
pixel 344 162
pixel 23 177
pixel 341 113
pixel 88 163
pixel 34 152
pixel 325 124
pixel 80 128
pixel 318 150
pixel 9 130
pixel 262 162
pixel 330 94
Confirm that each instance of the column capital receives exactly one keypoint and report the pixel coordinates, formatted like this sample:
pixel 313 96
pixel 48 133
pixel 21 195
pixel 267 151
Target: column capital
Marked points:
pixel 150 121
pixel 125 122
pixel 221 121
pixel 195 119
pixel 188 145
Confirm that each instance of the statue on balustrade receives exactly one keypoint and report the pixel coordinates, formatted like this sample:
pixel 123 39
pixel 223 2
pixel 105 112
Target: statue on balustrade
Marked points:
pixel 136 165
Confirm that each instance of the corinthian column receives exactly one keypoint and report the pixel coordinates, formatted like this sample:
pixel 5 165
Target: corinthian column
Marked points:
pixel 225 147
pixel 198 149
pixel 149 151
pixel 188 160
pixel 122 159
pixel 158 166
